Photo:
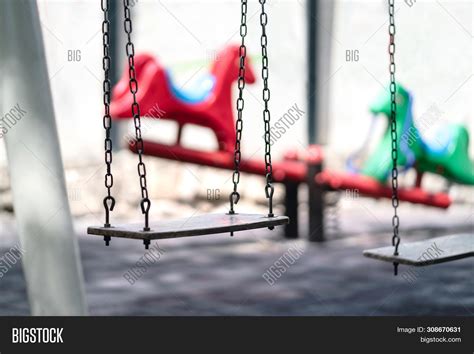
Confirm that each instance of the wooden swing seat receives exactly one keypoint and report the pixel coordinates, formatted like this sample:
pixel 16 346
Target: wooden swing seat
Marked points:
pixel 193 226
pixel 427 252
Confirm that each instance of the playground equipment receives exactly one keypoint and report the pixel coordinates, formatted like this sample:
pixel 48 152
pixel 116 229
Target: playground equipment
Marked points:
pixel 215 112
pixel 204 104
pixel 203 224
pixel 209 105
pixel 445 154
pixel 431 159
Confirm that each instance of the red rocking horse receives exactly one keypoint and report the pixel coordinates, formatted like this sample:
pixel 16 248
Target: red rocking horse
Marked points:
pixel 208 103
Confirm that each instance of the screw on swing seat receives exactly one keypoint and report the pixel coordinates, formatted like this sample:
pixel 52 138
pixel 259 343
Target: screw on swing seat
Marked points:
pixel 107 240
pixel 234 198
pixel 109 203
pixel 145 204
pixel 269 191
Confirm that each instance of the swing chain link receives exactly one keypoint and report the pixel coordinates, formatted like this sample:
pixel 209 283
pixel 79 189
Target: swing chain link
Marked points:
pixel 234 197
pixel 393 131
pixel 145 203
pixel 269 188
pixel 109 200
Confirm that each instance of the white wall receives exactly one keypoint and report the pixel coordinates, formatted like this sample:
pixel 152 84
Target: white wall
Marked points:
pixel 434 53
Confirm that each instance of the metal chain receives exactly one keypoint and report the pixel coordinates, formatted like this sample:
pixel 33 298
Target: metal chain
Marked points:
pixel 393 130
pixel 109 201
pixel 133 84
pixel 269 189
pixel 234 197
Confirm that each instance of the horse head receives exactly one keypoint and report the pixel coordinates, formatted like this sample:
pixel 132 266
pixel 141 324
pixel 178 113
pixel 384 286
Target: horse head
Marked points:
pixel 382 104
pixel 227 64
pixel 141 62
pixel 147 68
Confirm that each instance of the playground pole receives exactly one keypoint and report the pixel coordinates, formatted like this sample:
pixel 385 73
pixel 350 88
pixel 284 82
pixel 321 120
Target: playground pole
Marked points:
pixel 50 260
pixel 319 24
pixel 312 57
pixel 117 54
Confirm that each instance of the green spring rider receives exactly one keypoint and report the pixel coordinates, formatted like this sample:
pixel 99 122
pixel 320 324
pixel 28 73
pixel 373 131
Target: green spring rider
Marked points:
pixel 445 154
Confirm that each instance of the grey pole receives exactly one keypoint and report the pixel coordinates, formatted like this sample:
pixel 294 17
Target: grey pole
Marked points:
pixel 116 64
pixel 51 260
pixel 320 15
pixel 312 58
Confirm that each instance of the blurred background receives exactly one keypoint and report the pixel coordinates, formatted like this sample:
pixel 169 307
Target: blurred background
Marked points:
pixel 219 275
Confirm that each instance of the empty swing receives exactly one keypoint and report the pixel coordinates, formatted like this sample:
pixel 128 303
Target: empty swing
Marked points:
pixel 202 224
pixel 421 253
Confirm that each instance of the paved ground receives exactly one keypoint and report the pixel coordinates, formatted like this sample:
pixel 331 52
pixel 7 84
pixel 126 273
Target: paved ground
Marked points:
pixel 220 275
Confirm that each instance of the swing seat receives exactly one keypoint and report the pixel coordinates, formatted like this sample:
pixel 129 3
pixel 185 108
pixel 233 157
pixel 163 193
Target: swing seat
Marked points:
pixel 427 252
pixel 193 226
